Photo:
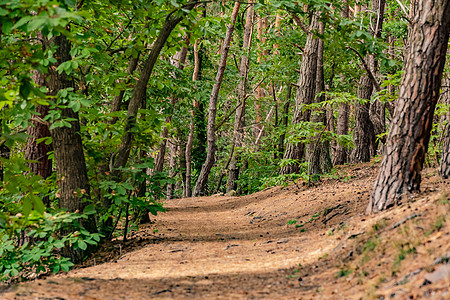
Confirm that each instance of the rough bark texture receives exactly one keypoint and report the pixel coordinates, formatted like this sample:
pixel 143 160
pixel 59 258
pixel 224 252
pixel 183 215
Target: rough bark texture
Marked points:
pixel 409 135
pixel 238 132
pixel 38 152
pixel 68 149
pixel 318 152
pixel 261 26
pixel 365 131
pixel 284 120
pixel 444 165
pixel 211 135
pixel 340 154
pixel 306 88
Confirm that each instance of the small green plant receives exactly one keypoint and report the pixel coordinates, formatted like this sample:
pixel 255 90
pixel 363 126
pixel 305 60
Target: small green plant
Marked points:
pixel 32 244
pixel 344 272
pixel 291 222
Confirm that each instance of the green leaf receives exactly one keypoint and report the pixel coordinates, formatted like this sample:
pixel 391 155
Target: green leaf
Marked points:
pixel 82 245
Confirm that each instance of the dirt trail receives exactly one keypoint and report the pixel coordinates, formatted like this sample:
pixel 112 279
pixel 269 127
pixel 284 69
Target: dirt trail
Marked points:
pixel 223 247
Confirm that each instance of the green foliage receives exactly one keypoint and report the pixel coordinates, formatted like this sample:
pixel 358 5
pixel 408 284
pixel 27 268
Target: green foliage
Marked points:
pixel 33 244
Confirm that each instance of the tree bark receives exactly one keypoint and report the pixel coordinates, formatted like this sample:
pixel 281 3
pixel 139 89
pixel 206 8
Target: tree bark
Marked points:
pixel 364 131
pixel 260 90
pixel 411 126
pixel 68 148
pixel 139 92
pixel 211 135
pixel 190 139
pixel 238 132
pixel 38 129
pixel 444 165
pixel 318 152
pixel 306 88
pixel 340 154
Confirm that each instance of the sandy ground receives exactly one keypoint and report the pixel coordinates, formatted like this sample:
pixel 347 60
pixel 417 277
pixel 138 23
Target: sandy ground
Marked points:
pixel 282 243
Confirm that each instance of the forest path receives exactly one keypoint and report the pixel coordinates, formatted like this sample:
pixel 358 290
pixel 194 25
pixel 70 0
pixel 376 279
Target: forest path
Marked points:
pixel 221 247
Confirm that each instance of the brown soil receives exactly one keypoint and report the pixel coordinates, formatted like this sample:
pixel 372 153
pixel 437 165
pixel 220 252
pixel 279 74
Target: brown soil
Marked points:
pixel 223 247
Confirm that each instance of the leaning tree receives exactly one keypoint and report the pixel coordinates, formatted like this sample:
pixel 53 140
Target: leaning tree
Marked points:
pixel 412 122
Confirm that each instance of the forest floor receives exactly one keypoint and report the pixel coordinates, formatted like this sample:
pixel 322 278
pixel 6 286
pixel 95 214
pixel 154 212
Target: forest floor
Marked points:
pixel 295 242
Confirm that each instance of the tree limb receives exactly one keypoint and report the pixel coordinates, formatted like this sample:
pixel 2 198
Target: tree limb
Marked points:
pixel 369 71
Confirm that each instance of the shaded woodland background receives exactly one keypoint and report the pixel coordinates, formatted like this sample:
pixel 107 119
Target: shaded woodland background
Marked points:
pixel 109 107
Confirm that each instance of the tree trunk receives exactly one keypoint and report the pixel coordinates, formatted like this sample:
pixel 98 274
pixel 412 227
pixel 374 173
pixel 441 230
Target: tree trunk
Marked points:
pixel 211 135
pixel 178 61
pixel 306 88
pixel 340 154
pixel 68 149
pixel 38 129
pixel 284 121
pixel 319 151
pixel 444 165
pixel 238 132
pixel 173 147
pixel 260 91
pixel 117 100
pixel 411 126
pixel 140 90
pixel 364 132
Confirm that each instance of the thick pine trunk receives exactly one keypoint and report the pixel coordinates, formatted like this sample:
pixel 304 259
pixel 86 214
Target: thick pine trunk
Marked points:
pixel 318 152
pixel 306 89
pixel 363 133
pixel 211 134
pixel 411 126
pixel 238 132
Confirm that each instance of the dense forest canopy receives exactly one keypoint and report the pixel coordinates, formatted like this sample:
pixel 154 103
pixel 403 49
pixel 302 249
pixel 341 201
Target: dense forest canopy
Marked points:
pixel 110 107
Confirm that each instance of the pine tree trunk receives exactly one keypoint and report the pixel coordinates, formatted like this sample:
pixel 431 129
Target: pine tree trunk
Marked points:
pixel 238 132
pixel 306 88
pixel 444 165
pixel 211 135
pixel 284 121
pixel 364 133
pixel 340 154
pixel 261 25
pixel 407 143
pixel 318 152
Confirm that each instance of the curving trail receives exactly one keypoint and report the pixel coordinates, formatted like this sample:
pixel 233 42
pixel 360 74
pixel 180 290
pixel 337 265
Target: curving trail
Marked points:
pixel 223 247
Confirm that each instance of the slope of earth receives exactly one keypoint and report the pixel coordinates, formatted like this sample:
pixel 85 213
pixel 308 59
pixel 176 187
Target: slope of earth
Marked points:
pixel 282 243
